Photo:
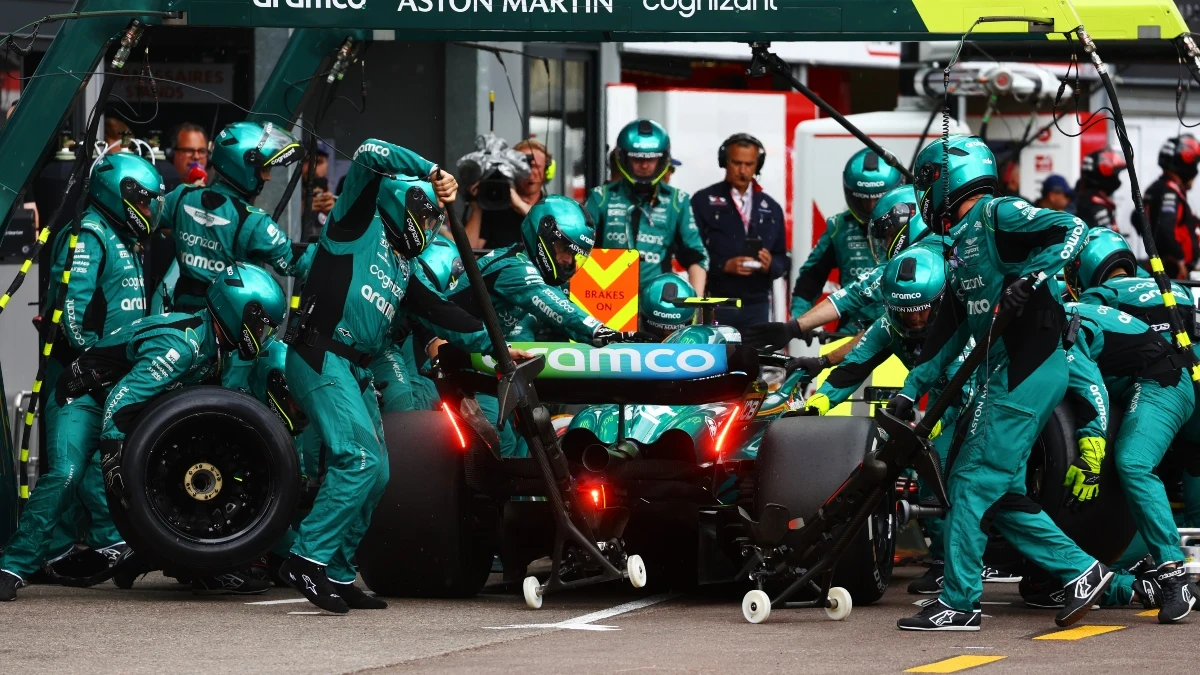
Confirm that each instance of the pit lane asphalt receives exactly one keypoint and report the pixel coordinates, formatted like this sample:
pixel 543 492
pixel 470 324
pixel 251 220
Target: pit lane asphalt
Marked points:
pixel 160 627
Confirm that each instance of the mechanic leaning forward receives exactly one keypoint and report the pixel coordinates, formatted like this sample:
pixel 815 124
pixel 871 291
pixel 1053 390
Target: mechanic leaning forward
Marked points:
pixel 913 286
pixel 642 212
pixel 102 392
pixel 894 225
pixel 843 245
pixel 743 232
pixel 1001 248
pixel 106 291
pixel 525 282
pixel 357 284
pixel 217 225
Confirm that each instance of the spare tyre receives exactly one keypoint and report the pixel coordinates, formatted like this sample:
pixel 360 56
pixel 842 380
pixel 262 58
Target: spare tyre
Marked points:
pixel 210 480
pixel 801 463
pixel 431 534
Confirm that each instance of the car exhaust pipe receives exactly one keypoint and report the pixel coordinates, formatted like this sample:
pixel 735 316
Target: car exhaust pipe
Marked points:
pixel 597 457
pixel 909 512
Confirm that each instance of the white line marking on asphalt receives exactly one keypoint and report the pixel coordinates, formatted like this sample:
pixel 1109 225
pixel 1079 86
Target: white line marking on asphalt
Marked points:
pixel 586 622
pixel 289 601
pixel 305 613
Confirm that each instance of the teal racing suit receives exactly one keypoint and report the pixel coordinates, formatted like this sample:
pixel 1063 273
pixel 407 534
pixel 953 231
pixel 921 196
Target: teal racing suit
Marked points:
pixel 356 287
pixel 1117 358
pixel 106 291
pixel 114 380
pixel 878 343
pixel 660 227
pixel 520 295
pixel 844 247
pixel 1017 387
pixel 214 227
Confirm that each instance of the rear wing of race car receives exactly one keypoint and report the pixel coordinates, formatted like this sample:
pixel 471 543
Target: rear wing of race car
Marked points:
pixel 648 374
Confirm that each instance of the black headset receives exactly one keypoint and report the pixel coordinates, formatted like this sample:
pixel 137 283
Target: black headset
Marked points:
pixel 738 138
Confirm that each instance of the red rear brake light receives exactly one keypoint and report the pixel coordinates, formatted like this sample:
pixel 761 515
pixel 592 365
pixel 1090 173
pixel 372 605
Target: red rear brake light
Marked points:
pixel 462 440
pixel 594 496
pixel 729 421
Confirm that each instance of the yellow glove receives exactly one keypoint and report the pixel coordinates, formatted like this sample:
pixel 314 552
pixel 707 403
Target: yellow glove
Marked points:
pixel 818 402
pixel 1083 476
pixel 936 431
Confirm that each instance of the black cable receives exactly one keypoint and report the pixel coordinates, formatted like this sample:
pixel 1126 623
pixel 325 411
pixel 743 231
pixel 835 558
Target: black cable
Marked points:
pixel 912 165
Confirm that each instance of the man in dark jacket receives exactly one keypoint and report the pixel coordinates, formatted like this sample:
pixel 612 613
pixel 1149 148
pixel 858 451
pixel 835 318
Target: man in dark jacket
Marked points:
pixel 743 231
pixel 1171 220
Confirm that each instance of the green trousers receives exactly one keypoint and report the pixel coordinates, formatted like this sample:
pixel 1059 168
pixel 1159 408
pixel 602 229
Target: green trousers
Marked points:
pixel 1153 415
pixel 988 480
pixel 341 406
pixel 512 444
pixel 394 379
pixel 308 447
pixel 935 528
pixel 72 444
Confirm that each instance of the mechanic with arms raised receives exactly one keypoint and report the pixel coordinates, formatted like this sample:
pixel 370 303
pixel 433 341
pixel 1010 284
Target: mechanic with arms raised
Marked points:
pixel 643 212
pixel 358 281
pixel 104 390
pixel 106 291
pixel 1001 247
pixel 217 225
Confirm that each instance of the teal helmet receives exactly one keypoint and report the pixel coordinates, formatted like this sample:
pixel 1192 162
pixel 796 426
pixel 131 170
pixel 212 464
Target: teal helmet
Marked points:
pixel 243 149
pixel 247 306
pixel 442 264
pixel 410 213
pixel 658 313
pixel 271 370
pixel 557 236
pixel 913 285
pixel 1102 253
pixel 865 180
pixel 969 168
pixel 643 139
pixel 129 192
pixel 895 224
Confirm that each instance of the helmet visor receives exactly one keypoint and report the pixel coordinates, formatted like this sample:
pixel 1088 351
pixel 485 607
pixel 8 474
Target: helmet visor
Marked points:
pixel 565 255
pixel 143 206
pixel 861 204
pixel 912 321
pixel 277 148
pixel 257 328
pixel 888 234
pixel 422 213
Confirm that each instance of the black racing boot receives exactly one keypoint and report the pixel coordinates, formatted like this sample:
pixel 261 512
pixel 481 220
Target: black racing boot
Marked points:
pixel 241 582
pixel 938 616
pixel 929 583
pixel 1045 597
pixel 1083 592
pixel 355 597
pixel 1145 589
pixel 992 575
pixel 9 583
pixel 309 578
pixel 1177 598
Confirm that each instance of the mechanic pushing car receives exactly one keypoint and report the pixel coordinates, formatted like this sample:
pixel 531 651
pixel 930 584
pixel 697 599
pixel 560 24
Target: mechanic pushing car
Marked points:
pixel 1002 246
pixel 218 225
pixel 912 286
pixel 1099 178
pixel 1117 358
pixel 106 291
pixel 843 246
pixel 643 212
pixel 895 224
pixel 102 392
pixel 439 267
pixel 358 282
pixel 526 280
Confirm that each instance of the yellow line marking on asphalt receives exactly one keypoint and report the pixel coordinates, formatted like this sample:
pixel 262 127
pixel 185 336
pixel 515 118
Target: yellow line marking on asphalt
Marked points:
pixel 955 664
pixel 1078 633
pixel 1149 612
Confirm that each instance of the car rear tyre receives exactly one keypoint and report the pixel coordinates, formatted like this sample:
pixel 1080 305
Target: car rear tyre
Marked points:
pixel 210 480
pixel 801 463
pixel 431 535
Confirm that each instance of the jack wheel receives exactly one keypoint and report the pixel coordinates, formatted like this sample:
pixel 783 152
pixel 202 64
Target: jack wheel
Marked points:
pixel 532 589
pixel 636 569
pixel 756 606
pixel 838 603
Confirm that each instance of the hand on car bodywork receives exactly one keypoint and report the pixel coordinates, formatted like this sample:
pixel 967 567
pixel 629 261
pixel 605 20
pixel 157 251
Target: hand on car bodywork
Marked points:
pixel 811 364
pixel 901 407
pixel 817 404
pixel 774 334
pixel 606 336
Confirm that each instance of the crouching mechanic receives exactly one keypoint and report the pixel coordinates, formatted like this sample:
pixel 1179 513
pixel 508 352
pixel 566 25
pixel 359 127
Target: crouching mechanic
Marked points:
pixel 895 225
pixel 218 225
pixel 843 245
pixel 104 390
pixel 1117 358
pixel 913 286
pixel 1001 247
pixel 526 281
pixel 106 291
pixel 358 282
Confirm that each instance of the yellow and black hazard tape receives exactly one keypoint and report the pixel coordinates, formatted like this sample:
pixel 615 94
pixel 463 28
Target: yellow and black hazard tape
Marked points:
pixel 15 286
